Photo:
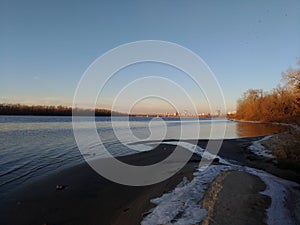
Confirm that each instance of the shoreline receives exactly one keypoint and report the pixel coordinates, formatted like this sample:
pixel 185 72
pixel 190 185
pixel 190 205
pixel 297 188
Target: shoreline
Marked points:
pixel 40 202
pixel 291 125
pixel 91 199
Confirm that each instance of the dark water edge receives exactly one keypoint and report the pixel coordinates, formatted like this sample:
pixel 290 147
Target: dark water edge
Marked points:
pixel 246 129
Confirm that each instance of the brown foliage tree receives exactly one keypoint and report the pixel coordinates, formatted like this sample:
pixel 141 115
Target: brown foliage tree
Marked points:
pixel 282 104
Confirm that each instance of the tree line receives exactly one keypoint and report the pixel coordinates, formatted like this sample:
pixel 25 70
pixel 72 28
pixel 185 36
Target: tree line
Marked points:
pixel 282 104
pixel 40 110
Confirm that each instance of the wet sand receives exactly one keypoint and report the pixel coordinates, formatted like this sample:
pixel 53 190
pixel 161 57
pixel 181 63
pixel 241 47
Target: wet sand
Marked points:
pixel 234 198
pixel 91 199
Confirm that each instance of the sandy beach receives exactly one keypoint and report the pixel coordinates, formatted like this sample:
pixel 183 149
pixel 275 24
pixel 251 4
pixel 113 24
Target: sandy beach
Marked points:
pixel 234 197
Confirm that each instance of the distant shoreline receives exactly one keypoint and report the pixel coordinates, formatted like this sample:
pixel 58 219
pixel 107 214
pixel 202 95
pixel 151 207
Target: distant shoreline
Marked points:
pixel 43 110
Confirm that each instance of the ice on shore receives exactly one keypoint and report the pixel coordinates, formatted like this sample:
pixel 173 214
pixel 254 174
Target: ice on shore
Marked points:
pixel 285 195
pixel 197 150
pixel 258 149
pixel 182 205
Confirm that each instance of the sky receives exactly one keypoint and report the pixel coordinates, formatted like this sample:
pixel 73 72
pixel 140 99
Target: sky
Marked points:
pixel 46 46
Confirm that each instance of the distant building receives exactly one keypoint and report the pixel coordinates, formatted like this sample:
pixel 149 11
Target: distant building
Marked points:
pixel 231 113
pixel 218 113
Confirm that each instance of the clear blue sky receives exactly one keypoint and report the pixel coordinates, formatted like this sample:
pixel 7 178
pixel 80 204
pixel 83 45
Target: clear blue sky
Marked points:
pixel 45 46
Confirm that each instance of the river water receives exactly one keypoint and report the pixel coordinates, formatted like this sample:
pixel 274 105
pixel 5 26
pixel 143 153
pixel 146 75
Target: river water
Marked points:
pixel 36 146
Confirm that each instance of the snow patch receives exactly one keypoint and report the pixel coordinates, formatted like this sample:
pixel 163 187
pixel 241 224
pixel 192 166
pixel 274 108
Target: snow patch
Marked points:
pixel 258 149
pixel 281 192
pixel 181 206
pixel 197 150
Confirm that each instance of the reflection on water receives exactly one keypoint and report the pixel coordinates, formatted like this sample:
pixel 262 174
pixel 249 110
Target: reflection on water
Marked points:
pixel 257 129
